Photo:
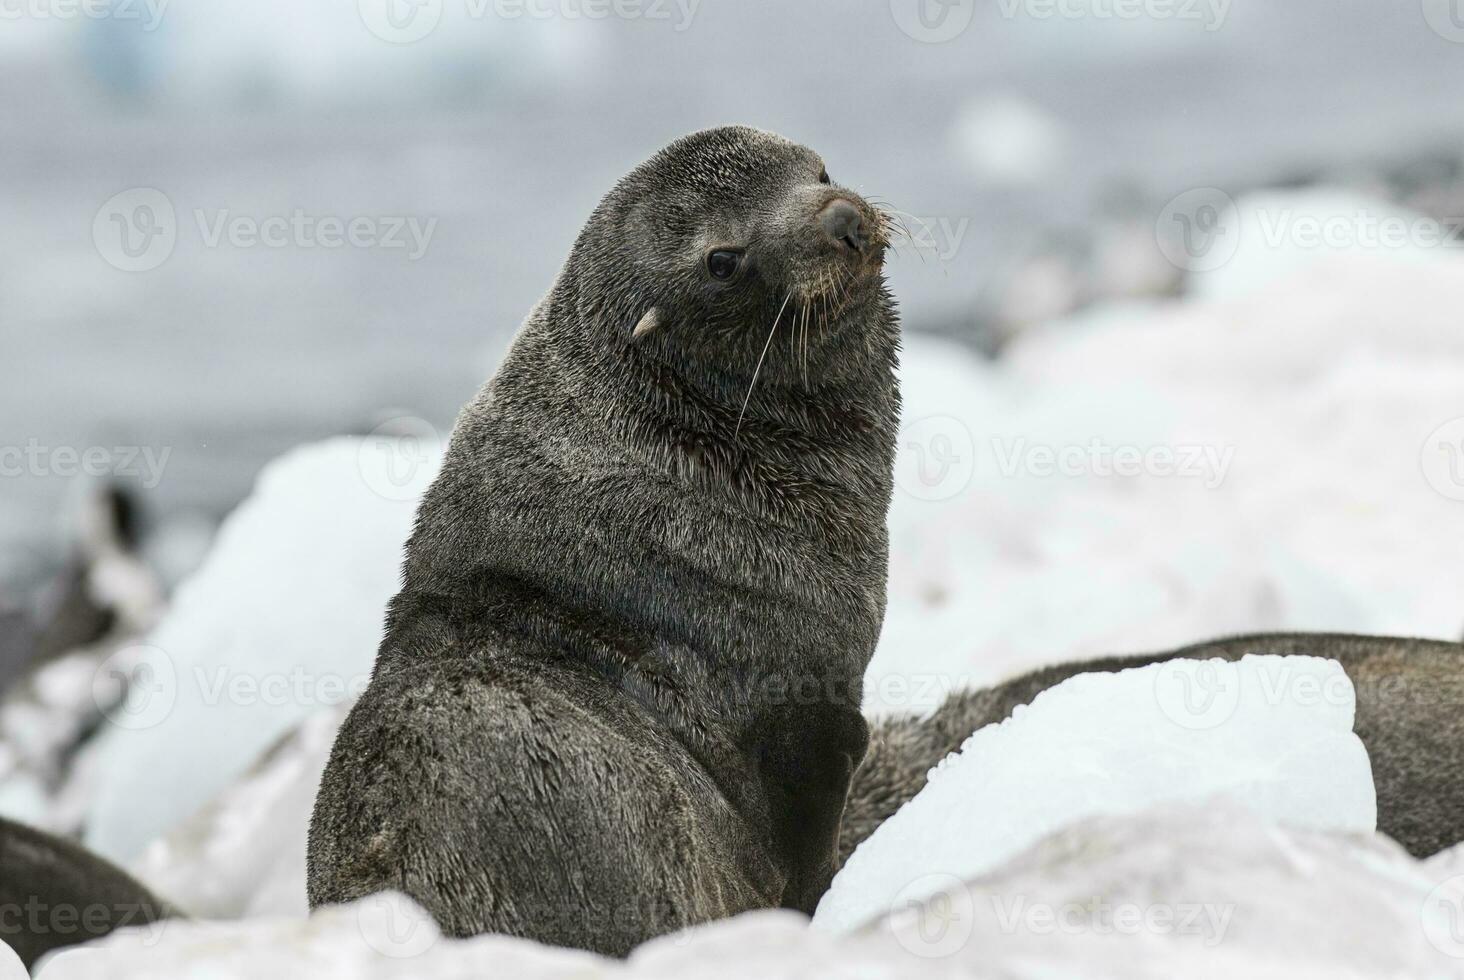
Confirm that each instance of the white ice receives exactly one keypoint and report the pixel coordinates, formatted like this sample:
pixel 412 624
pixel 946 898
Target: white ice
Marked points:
pixel 282 619
pixel 1273 733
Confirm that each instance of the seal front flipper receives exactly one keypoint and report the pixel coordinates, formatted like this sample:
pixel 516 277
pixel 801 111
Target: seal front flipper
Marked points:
pixel 806 757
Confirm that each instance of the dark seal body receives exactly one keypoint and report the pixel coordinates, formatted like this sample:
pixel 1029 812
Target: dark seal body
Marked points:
pixel 619 690
pixel 1410 716
pixel 54 894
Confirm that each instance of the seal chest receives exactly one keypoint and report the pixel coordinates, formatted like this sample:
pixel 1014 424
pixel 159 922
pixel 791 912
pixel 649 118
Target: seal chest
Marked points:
pixel 619 690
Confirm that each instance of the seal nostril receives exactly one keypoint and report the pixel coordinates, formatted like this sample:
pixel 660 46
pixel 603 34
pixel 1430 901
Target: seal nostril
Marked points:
pixel 842 222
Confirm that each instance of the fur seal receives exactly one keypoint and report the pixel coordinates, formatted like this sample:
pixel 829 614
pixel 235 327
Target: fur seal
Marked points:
pixel 1410 716
pixel 619 691
pixel 54 894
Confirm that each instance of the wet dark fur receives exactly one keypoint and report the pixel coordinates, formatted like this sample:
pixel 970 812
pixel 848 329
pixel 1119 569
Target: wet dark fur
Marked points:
pixel 619 690
pixel 1410 715
pixel 54 894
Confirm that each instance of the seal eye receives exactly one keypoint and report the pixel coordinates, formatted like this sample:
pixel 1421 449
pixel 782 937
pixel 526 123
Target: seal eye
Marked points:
pixel 823 177
pixel 723 264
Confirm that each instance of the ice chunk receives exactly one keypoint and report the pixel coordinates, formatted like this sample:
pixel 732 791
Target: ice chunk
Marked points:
pixel 282 619
pixel 1274 733
pixel 244 853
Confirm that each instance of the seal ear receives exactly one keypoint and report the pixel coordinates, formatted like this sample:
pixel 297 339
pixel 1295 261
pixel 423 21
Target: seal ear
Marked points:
pixel 648 324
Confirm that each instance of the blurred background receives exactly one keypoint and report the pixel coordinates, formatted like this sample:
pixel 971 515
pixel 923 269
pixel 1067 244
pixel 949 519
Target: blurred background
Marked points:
pixel 229 229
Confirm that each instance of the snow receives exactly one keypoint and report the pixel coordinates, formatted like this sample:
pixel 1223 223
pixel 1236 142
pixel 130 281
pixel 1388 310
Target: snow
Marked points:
pixel 1307 489
pixel 1213 892
pixel 1271 732
pixel 282 619
pixel 250 840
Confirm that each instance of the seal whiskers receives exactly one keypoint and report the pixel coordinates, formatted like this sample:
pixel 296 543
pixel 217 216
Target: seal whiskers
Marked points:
pixel 758 370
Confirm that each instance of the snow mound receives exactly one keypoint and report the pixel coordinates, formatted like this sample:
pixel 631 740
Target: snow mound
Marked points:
pixel 283 618
pixel 1274 733
pixel 244 853
pixel 1211 892
pixel 1144 476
